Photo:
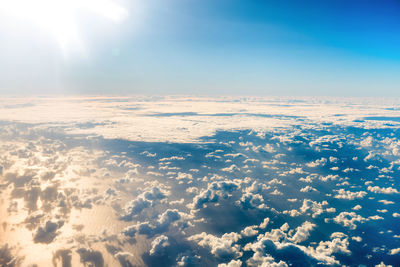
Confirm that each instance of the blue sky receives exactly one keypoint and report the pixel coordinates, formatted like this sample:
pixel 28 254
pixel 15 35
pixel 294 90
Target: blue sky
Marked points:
pixel 348 48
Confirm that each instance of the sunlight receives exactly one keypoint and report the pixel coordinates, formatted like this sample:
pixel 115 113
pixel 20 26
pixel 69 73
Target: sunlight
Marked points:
pixel 60 17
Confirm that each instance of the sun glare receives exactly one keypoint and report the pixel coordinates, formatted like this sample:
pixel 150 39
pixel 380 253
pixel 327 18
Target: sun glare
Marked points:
pixel 60 17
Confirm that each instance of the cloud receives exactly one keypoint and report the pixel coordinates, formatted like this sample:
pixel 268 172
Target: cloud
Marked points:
pixel 329 177
pixel 339 244
pixel 187 260
pixel 214 191
pixel 276 192
pixel 316 208
pixel 348 195
pixel 148 154
pixel 231 169
pixel 302 232
pixel 316 163
pixel 249 231
pixel 383 190
pixel 47 232
pixel 172 158
pixel 65 257
pixel 375 217
pixel 382 264
pixel 232 263
pixel 144 200
pixel 292 213
pixel 308 189
pixel 50 176
pixel 278 242
pixel 264 223
pixel 356 238
pixel 161 225
pixel 91 257
pixel 223 247
pixel 260 258
pixel 135 207
pixel 394 251
pixel 8 258
pixel 252 201
pixel 386 202
pixel 158 245
pixel 349 219
pixel 123 258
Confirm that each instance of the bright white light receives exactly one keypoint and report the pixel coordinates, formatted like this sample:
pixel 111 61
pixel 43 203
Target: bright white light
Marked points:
pixel 59 17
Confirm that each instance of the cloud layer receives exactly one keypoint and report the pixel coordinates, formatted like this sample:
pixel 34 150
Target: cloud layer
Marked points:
pixel 198 182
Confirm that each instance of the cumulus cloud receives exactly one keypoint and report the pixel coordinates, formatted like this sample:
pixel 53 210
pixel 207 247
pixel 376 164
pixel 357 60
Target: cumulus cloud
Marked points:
pixel 278 240
pixel 356 238
pixel 214 191
pixel 316 163
pixel 232 263
pixel 91 257
pixel 231 168
pixel 348 195
pixel 329 177
pixel 222 247
pixel 315 207
pixel 161 225
pixel 249 231
pixel 339 244
pixel 47 232
pixel 302 232
pixel 383 190
pixel 375 217
pixel 349 219
pixel 158 245
pixel 264 223
pixel 123 258
pixel 308 189
pixel 251 201
pixel 292 213
pixel 187 259
pixel 144 200
pixel 386 202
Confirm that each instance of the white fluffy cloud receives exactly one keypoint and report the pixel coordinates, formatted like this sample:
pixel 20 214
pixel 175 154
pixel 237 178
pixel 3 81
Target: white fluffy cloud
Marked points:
pixel 232 263
pixel 222 247
pixel 349 219
pixel 302 232
pixel 308 189
pixel 158 245
pixel 343 194
pixel 383 190
pixel 214 191
pixel 144 200
pixel 316 208
pixel 279 239
pixel 161 225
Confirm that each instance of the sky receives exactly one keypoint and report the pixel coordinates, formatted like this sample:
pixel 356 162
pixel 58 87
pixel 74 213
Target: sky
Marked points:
pixel 208 47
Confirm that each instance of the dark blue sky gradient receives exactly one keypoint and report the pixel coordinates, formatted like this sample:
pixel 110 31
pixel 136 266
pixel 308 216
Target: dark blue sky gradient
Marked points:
pixel 370 28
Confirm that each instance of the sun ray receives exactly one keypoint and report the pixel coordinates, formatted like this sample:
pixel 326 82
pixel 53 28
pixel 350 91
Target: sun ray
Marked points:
pixel 60 17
